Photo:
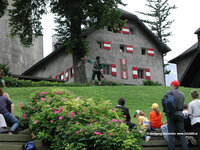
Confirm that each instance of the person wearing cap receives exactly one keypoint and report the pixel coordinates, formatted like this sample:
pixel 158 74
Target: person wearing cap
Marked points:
pixel 155 116
pixel 142 120
pixel 125 111
pixel 176 120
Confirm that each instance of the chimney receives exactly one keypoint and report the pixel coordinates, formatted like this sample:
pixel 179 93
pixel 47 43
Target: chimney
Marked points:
pixel 198 36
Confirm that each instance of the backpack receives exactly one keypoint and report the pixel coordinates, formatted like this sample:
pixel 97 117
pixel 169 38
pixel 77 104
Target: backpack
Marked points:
pixel 168 104
pixel 29 146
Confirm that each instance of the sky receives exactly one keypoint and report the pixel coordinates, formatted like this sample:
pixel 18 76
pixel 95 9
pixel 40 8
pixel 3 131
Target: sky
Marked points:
pixel 186 22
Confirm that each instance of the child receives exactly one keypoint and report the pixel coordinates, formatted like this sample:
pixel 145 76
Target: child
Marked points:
pixel 155 116
pixel 143 122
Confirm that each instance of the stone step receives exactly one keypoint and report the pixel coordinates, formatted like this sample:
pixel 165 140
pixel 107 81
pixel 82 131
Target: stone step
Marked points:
pixel 15 138
pixel 10 147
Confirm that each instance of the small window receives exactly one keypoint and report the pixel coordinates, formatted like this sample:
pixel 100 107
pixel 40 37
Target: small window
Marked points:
pixel 143 51
pixel 141 73
pixel 100 44
pixel 109 28
pixel 122 48
pixel 44 68
pixel 106 69
pixel 59 77
pixel 132 31
pixel 70 70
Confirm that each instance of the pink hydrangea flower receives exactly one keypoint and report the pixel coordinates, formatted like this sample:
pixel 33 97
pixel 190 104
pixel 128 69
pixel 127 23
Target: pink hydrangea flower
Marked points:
pixel 56 112
pixel 78 97
pixel 72 115
pixel 21 106
pixel 77 132
pixel 61 108
pixel 51 121
pixel 35 121
pixel 63 99
pixel 60 117
pixel 33 107
pixel 97 133
pixel 24 116
pixel 42 98
pixel 84 109
pixel 108 122
pixel 114 110
pixel 110 134
pixel 95 112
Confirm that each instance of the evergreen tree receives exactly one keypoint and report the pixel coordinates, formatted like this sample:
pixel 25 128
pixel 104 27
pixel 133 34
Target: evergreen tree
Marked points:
pixel 3 5
pixel 73 17
pixel 159 14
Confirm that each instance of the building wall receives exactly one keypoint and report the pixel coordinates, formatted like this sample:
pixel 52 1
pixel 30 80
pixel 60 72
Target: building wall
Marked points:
pixel 13 53
pixel 182 65
pixel 138 40
pixel 61 61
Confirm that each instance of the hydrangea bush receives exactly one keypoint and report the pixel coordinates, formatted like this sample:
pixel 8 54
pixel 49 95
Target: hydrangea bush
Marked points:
pixel 68 122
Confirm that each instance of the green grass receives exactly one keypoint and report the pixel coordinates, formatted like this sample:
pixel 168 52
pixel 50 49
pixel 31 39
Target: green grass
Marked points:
pixel 137 97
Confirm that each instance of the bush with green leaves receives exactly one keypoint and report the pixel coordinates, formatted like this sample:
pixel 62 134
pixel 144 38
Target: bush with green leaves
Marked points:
pixel 151 83
pixel 68 122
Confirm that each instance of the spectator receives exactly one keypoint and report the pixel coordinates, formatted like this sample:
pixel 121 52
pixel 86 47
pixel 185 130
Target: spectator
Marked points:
pixel 155 116
pixel 9 116
pixel 125 111
pixel 1 78
pixel 176 120
pixel 3 125
pixel 194 113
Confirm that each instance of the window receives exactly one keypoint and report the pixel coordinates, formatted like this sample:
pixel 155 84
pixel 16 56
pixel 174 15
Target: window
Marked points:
pixel 132 31
pixel 100 44
pixel 141 73
pixel 59 77
pixel 122 48
pixel 70 70
pixel 143 51
pixel 109 28
pixel 106 69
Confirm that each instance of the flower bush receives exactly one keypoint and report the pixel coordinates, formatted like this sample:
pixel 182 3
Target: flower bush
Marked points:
pixel 68 122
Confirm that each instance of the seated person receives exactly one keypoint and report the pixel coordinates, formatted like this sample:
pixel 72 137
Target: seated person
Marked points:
pixel 9 116
pixel 3 125
pixel 155 116
pixel 125 110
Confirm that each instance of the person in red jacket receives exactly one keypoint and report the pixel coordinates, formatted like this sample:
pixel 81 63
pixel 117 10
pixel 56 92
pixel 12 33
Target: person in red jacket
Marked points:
pixel 155 116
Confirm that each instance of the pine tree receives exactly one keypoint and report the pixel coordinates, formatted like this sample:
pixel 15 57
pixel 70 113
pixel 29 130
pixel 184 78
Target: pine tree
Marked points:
pixel 159 14
pixel 73 17
pixel 3 5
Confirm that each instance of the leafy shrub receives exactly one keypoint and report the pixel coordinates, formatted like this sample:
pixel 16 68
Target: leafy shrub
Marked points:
pixel 14 82
pixel 151 83
pixel 74 123
pixel 6 69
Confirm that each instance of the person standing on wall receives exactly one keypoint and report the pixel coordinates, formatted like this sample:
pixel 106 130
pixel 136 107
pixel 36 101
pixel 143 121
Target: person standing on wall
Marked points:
pixel 176 120
pixel 97 68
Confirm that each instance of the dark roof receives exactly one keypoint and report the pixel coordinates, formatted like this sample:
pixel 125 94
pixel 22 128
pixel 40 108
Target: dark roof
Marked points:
pixel 162 47
pixel 197 32
pixel 191 50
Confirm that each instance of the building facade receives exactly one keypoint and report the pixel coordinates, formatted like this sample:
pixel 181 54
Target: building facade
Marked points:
pixel 188 65
pixel 130 56
pixel 13 53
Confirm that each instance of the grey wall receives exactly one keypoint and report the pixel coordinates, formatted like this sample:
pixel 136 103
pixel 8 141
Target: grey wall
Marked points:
pixel 55 64
pixel 13 53
pixel 113 56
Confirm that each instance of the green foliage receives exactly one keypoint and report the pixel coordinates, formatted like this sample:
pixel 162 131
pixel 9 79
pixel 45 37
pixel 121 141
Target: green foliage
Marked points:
pixel 159 23
pixel 151 83
pixel 73 123
pixel 14 82
pixel 3 5
pixel 6 69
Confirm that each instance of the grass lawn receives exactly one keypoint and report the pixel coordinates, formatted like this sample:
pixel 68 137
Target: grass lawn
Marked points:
pixel 137 97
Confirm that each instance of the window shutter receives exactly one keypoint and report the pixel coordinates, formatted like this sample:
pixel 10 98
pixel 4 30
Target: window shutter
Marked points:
pixel 150 51
pixel 107 45
pixel 67 74
pixel 148 74
pixel 129 48
pixel 114 70
pixel 125 30
pixel 135 72
pixel 62 75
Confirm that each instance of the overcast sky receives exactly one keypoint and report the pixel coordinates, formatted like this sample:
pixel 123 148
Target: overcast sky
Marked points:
pixel 186 18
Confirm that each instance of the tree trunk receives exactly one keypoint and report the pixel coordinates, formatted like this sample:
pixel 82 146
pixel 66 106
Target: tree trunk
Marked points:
pixel 79 72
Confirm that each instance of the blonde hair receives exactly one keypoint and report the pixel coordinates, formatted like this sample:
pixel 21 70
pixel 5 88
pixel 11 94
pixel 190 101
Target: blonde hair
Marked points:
pixel 6 95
